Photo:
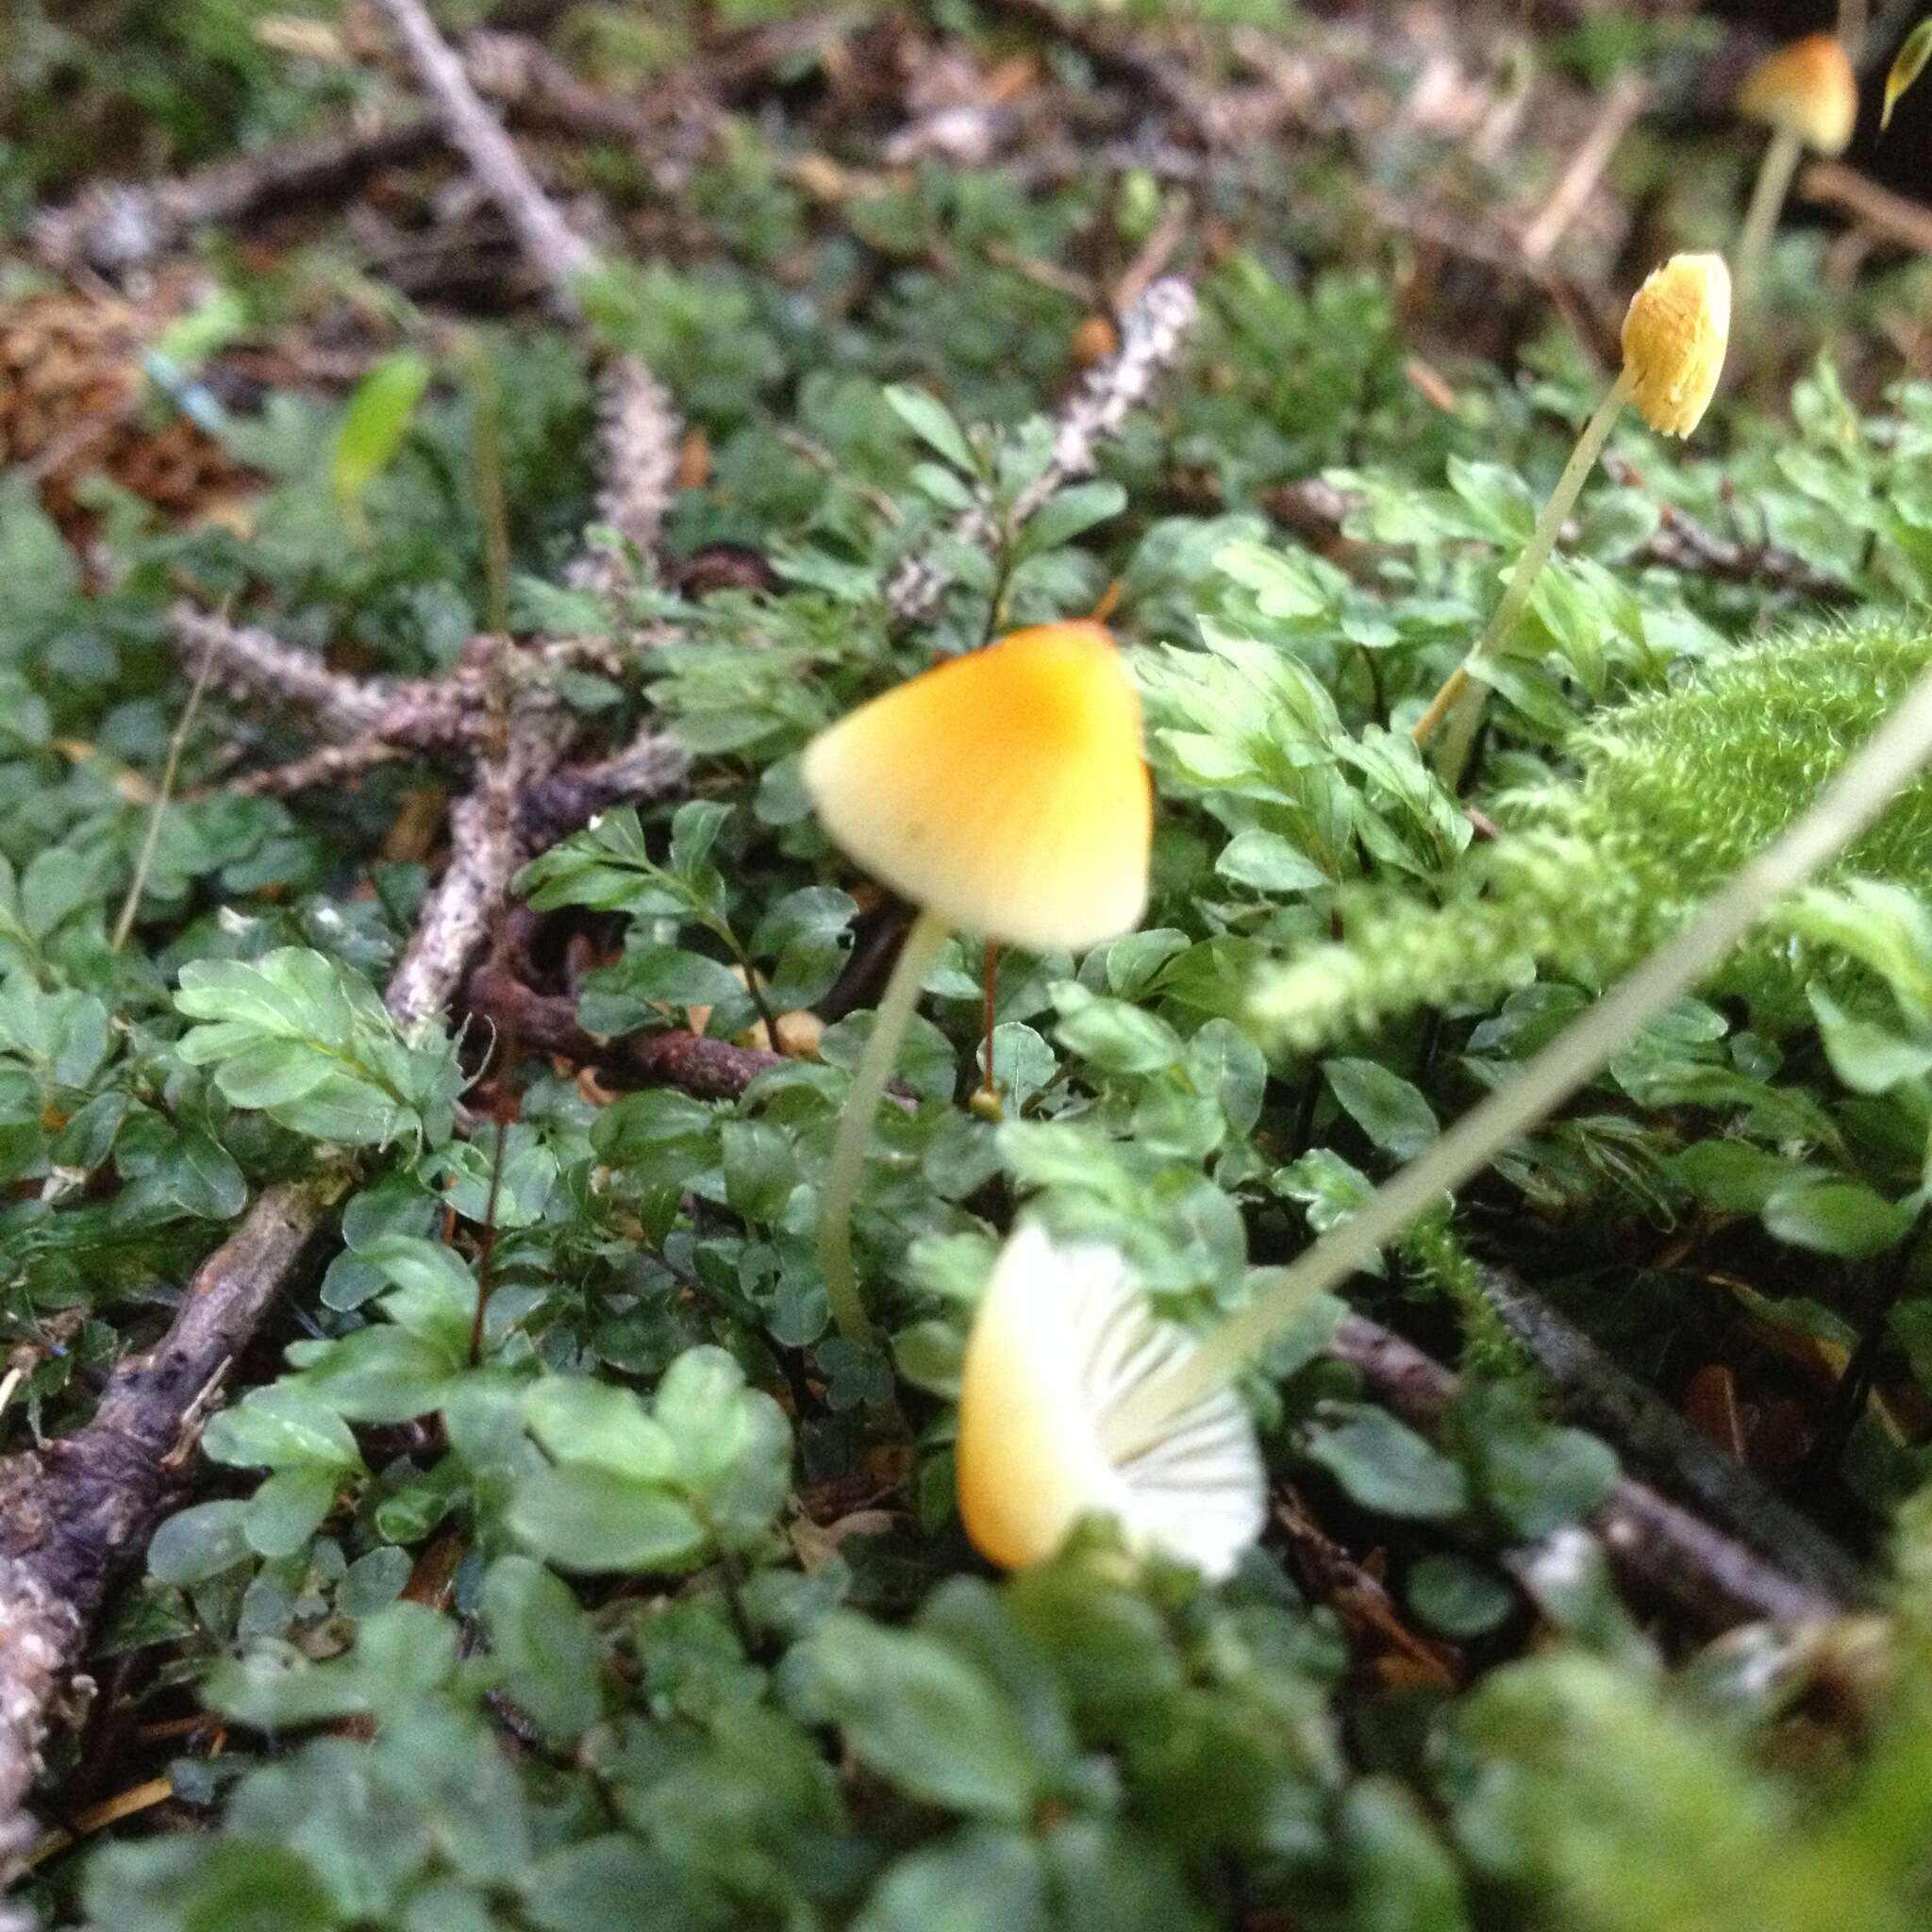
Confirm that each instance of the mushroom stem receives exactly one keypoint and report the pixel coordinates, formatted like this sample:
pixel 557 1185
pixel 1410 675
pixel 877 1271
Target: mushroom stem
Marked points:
pixel 1460 692
pixel 1767 202
pixel 1886 762
pixel 928 933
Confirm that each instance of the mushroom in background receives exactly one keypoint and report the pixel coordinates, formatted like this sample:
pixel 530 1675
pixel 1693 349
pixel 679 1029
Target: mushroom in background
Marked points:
pixel 1807 95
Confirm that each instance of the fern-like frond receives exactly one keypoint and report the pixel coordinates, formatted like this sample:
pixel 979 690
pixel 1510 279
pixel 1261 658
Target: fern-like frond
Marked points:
pixel 1674 792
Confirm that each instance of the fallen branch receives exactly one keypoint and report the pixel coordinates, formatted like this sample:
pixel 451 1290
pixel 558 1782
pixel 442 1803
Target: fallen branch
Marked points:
pixel 557 253
pixel 123 225
pixel 638 427
pixel 1658 1545
pixel 1893 218
pixel 547 1022
pixel 1153 333
pixel 1592 1389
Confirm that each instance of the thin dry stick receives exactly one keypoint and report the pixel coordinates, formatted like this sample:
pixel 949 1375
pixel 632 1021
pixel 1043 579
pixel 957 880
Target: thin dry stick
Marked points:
pixel 638 425
pixel 1593 1390
pixel 137 884
pixel 1627 98
pixel 557 253
pixel 123 225
pixel 1717 1580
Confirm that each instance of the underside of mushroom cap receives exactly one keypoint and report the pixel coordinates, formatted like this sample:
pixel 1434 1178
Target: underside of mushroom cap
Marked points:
pixel 1004 789
pixel 1061 1340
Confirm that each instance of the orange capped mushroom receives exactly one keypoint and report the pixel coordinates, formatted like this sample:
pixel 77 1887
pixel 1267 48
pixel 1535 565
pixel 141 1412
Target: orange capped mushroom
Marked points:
pixel 1807 95
pixel 1807 89
pixel 1004 791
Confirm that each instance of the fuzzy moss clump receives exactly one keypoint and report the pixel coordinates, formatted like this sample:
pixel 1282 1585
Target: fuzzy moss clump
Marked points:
pixel 1674 790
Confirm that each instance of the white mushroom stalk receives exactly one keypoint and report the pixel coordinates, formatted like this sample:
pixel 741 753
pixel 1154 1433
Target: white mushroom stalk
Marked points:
pixel 1006 792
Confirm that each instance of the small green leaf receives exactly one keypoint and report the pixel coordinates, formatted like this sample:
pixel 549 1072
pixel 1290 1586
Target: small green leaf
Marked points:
pixel 1270 863
pixel 980 1880
pixel 930 421
pixel 288 1509
pixel 594 1521
pixel 1842 1217
pixel 1457 1595
pixel 921 1716
pixel 1385 1466
pixel 1391 1111
pixel 280 1428
pixel 1111 1034
pixel 546 1644
pixel 194 1544
pixel 1868 1057
pixel 375 424
pixel 1068 513
pixel 1905 69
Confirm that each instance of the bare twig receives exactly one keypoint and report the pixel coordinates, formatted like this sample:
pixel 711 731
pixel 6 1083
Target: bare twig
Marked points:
pixel 74 1512
pixel 1656 1545
pixel 1894 218
pixel 331 765
pixel 638 425
pixel 638 430
pixel 1593 1391
pixel 125 225
pixel 1151 336
pixel 1628 96
pixel 570 798
pixel 242 655
pixel 558 254
pixel 546 1023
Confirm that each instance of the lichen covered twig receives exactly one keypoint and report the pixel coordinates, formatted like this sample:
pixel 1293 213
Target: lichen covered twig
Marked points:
pixel 1153 334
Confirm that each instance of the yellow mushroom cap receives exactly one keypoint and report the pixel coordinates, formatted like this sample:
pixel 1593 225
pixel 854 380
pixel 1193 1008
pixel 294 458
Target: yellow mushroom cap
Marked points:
pixel 1808 89
pixel 1059 1341
pixel 1674 339
pixel 1004 789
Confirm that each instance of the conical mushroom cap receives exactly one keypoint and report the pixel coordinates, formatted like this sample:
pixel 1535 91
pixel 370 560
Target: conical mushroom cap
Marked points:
pixel 1808 89
pixel 1004 789
pixel 1060 1340
pixel 1675 338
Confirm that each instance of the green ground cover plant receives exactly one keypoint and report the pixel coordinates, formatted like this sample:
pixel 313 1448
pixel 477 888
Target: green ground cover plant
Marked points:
pixel 445 1485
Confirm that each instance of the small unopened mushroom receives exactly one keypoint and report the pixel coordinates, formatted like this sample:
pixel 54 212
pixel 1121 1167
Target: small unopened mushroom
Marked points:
pixel 1674 337
pixel 1061 1342
pixel 1004 791
pixel 1807 95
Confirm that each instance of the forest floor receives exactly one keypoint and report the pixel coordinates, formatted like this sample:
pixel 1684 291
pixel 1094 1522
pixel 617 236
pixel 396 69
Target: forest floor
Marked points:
pixel 453 469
